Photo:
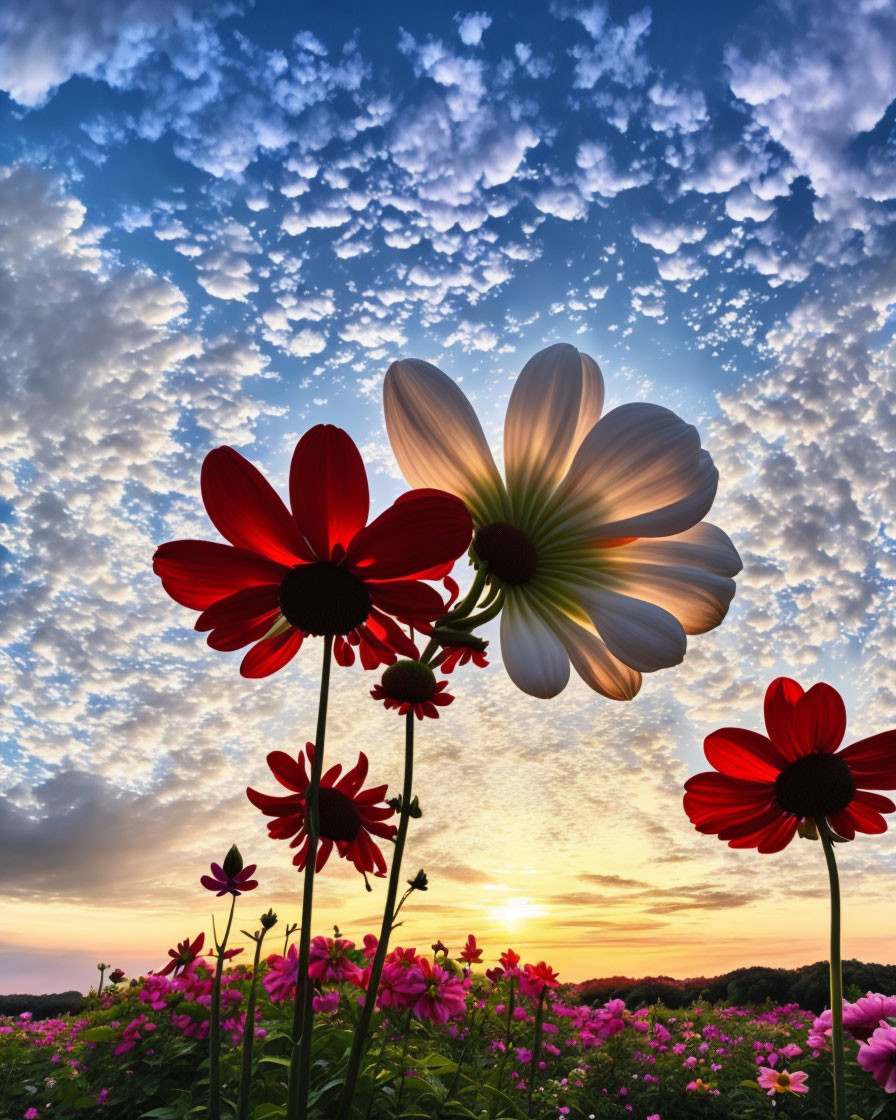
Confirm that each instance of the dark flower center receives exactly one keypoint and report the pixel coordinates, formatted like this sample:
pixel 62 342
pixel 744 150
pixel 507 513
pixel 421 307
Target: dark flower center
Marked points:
pixel 324 599
pixel 815 786
pixel 338 815
pixel 409 680
pixel 509 553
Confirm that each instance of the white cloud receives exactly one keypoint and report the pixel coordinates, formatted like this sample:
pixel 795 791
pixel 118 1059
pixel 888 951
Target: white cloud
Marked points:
pixel 665 235
pixel 471 27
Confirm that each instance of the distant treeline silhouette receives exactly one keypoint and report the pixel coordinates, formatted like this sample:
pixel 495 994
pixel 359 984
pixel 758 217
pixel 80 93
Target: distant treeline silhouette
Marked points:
pixel 43 1007
pixel 807 986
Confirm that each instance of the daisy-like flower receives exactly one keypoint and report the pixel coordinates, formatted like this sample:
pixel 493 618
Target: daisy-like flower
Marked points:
pixel 232 878
pixel 184 955
pixel 349 816
pixel 782 1082
pixel 461 655
pixel 411 686
pixel 595 542
pixel 318 570
pixel 765 787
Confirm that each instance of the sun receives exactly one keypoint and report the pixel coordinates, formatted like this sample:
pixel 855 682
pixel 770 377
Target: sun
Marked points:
pixel 512 912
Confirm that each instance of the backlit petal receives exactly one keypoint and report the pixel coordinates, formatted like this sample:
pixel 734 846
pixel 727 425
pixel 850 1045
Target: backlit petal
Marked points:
pixel 246 509
pixel 873 761
pixel 643 636
pixel 781 698
pixel 819 719
pixel 407 599
pixel 740 753
pixel 594 663
pixel 639 472
pixel 328 489
pixel 437 438
pixel 271 654
pixel 556 400
pixel 410 538
pixel 533 656
pixel 198 573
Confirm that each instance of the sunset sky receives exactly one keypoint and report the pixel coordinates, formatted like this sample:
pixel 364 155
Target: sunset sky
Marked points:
pixel 219 224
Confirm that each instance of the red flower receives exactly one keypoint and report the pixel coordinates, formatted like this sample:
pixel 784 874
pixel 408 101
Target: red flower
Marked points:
pixel 470 954
pixel 412 686
pixel 767 786
pixel 461 655
pixel 183 955
pixel 317 570
pixel 510 959
pixel 536 978
pixel 348 816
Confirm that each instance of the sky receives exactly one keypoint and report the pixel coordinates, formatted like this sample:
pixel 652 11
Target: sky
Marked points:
pixel 219 224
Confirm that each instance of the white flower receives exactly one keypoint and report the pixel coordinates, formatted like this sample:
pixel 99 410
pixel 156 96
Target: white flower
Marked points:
pixel 596 542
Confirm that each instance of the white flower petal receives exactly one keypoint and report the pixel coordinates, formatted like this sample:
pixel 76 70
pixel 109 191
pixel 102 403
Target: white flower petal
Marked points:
pixel 533 656
pixel 638 473
pixel 555 402
pixel 594 663
pixel 642 635
pixel 437 439
pixel 687 574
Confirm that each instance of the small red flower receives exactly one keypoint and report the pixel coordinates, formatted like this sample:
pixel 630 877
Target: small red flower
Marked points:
pixel 536 978
pixel 461 655
pixel 763 788
pixel 349 817
pixel 185 953
pixel 412 686
pixel 318 570
pixel 470 954
pixel 510 959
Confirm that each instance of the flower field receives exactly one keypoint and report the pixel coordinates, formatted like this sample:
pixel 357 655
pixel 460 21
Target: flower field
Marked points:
pixel 448 1041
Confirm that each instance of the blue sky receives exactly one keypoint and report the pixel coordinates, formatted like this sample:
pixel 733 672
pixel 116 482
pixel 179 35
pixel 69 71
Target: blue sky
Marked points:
pixel 219 223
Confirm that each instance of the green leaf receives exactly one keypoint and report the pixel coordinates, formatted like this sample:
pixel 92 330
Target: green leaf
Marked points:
pixel 277 1061
pixel 100 1034
pixel 751 1085
pixel 157 1113
pixel 267 1111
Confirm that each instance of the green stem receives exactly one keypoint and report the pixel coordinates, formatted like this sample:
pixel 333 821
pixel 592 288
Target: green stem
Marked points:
pixel 300 1065
pixel 469 600
pixel 402 1068
pixel 836 980
pixel 460 1062
pixel 242 1108
pixel 214 1027
pixel 376 969
pixel 376 1068
pixel 536 1049
pixel 480 619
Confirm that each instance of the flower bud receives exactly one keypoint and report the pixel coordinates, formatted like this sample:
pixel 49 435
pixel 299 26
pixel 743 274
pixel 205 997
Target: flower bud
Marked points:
pixel 269 920
pixel 419 882
pixel 233 862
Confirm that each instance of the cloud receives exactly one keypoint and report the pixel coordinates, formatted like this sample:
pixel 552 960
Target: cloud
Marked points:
pixel 471 27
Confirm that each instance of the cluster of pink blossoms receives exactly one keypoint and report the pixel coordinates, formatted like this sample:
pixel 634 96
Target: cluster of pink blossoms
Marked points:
pixel 194 985
pixel 861 1019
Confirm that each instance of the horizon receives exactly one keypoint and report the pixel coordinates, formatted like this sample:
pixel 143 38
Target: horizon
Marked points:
pixel 219 225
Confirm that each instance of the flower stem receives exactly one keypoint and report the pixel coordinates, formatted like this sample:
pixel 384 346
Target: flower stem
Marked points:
pixel 300 1065
pixel 214 1026
pixel 389 911
pixel 536 1049
pixel 836 980
pixel 242 1108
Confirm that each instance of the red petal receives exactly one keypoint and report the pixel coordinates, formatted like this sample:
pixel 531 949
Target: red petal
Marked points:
pixel 389 633
pixel 712 799
pixel 235 635
pixel 772 839
pixel 328 489
pixel 780 701
pixel 819 720
pixel 842 823
pixel 865 818
pixel 874 801
pixel 407 599
pixel 873 760
pixel 271 654
pixel 275 806
pixel 246 509
pixel 198 573
pixel 246 606
pixel 354 778
pixel 411 537
pixel 289 772
pixel 753 825
pixel 323 853
pixel 740 753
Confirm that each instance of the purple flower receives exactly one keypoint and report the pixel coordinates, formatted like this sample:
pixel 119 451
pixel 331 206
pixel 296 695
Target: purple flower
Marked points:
pixel 232 878
pixel 877 1056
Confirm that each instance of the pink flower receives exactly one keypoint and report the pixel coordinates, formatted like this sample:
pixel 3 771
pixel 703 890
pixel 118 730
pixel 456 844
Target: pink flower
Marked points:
pixel 326 1004
pixel 328 960
pixel 434 992
pixel 283 972
pixel 780 1081
pixel 31 1114
pixel 877 1056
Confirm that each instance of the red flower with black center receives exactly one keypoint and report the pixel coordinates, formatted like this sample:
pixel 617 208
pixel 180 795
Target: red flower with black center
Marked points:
pixel 411 686
pixel 349 816
pixel 318 570
pixel 765 787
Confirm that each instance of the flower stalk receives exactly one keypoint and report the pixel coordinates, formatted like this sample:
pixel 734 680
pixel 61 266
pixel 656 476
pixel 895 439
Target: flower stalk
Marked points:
pixel 389 911
pixel 536 1049
pixel 242 1108
pixel 214 1030
pixel 300 1065
pixel 836 977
